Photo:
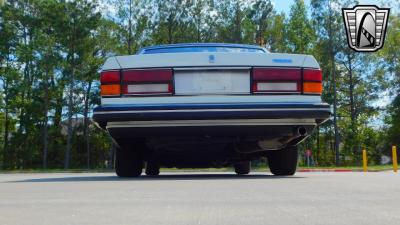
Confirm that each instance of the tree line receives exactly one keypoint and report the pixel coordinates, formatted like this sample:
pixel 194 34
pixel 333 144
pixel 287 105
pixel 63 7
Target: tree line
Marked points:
pixel 51 52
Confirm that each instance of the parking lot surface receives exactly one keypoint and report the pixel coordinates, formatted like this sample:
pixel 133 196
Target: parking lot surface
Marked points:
pixel 184 198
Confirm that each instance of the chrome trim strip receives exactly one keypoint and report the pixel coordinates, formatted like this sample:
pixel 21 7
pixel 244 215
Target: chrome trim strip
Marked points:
pixel 214 68
pixel 212 110
pixel 215 99
pixel 227 122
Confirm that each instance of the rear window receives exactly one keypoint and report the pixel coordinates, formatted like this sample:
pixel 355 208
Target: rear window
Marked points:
pixel 200 49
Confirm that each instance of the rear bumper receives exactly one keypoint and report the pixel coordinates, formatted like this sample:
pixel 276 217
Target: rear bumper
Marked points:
pixel 157 119
pixel 318 111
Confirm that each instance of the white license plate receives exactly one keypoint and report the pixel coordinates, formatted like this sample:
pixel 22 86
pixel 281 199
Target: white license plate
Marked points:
pixel 212 82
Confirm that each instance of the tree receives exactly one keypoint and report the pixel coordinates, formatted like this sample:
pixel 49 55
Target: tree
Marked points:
pixel 170 21
pixel 48 62
pixel 7 47
pixel 231 16
pixel 390 62
pixel 132 20
pixel 260 14
pixel 200 22
pixel 81 19
pixel 300 35
pixel 276 34
pixel 327 20
pixel 358 74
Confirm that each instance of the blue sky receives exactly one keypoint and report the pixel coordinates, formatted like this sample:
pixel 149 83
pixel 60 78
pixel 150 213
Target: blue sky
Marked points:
pixel 284 5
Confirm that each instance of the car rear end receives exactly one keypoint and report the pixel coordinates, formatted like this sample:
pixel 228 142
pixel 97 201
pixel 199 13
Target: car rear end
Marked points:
pixel 254 102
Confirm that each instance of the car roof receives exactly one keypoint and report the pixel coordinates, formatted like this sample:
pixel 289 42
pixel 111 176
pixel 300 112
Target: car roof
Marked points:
pixel 183 45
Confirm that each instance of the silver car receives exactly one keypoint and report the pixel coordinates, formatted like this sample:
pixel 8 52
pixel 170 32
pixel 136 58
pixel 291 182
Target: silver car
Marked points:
pixel 209 105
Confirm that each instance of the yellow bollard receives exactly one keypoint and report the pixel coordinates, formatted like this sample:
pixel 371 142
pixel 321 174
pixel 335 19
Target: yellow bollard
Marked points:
pixel 394 158
pixel 364 156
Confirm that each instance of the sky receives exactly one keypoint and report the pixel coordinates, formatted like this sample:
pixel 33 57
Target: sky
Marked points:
pixel 284 5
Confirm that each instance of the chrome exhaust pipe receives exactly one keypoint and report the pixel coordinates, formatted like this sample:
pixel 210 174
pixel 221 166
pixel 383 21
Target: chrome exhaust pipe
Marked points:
pixel 298 134
pixel 301 131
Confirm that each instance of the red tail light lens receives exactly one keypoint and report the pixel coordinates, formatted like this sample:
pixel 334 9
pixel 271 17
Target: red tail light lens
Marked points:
pixel 159 75
pixel 287 80
pixel 110 83
pixel 277 74
pixel 147 82
pixel 276 80
pixel 110 77
pixel 312 75
pixel 312 81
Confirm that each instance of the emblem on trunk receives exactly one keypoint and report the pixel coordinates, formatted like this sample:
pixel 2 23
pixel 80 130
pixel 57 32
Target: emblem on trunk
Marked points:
pixel 211 58
pixel 365 27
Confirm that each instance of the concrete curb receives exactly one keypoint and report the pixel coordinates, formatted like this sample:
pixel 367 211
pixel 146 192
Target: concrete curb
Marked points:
pixel 338 170
pixel 327 170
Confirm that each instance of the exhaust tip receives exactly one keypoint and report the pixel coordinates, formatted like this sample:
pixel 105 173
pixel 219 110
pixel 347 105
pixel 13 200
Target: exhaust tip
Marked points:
pixel 302 131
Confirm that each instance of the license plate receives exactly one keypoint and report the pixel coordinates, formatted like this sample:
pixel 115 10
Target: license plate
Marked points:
pixel 212 82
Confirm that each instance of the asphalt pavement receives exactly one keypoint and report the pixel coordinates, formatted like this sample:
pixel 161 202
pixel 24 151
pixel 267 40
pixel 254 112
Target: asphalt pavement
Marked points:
pixel 324 198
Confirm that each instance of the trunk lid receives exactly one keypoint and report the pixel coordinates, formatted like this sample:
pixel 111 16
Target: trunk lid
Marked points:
pixel 207 59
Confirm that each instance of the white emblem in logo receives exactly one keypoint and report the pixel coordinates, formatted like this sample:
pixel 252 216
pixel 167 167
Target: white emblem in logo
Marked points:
pixel 365 27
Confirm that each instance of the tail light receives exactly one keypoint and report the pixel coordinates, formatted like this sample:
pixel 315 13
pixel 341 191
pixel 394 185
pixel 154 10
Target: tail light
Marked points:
pixel 276 80
pixel 147 82
pixel 110 83
pixel 312 81
pixel 286 81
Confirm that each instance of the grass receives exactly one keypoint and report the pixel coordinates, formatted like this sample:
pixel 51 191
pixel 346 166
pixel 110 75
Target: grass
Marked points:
pixel 374 168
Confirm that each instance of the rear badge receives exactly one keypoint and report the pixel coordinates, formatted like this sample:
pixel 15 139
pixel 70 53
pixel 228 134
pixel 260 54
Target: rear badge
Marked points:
pixel 211 58
pixel 282 60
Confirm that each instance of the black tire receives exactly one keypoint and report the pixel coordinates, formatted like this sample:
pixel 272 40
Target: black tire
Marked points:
pixel 283 162
pixel 129 159
pixel 152 169
pixel 242 168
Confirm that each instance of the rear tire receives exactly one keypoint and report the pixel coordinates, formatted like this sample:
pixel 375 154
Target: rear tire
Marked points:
pixel 152 169
pixel 129 159
pixel 242 168
pixel 283 162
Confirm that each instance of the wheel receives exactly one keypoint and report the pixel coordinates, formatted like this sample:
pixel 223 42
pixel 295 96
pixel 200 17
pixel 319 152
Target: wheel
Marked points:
pixel 242 168
pixel 283 162
pixel 129 159
pixel 152 169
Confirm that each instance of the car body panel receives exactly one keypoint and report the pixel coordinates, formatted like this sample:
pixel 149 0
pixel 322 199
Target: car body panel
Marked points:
pixel 211 99
pixel 202 59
